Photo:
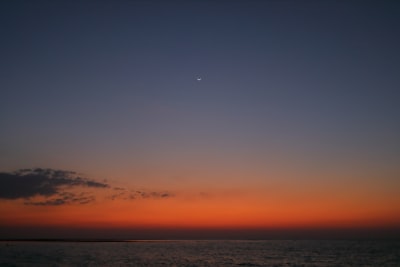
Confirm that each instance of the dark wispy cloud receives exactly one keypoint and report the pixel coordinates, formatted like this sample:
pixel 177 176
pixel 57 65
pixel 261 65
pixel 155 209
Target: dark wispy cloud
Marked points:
pixel 49 187
pixel 126 194
pixel 53 185
pixel 64 198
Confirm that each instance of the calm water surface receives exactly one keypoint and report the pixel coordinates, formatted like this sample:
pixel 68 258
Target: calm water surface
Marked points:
pixel 202 253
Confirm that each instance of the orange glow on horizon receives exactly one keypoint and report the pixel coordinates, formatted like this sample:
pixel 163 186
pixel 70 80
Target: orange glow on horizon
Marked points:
pixel 226 211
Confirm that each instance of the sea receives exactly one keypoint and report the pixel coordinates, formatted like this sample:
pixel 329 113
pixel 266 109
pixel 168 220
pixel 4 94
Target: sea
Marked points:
pixel 202 253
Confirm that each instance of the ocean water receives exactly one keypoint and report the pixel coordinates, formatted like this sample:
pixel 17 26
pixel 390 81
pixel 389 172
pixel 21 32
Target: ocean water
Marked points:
pixel 202 253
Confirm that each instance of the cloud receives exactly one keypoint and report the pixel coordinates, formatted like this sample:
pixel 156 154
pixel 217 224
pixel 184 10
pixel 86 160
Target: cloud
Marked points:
pixel 126 194
pixel 48 187
pixel 64 198
pixel 29 183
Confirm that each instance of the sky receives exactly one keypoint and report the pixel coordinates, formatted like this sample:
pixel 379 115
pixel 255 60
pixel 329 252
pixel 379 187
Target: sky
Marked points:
pixel 199 119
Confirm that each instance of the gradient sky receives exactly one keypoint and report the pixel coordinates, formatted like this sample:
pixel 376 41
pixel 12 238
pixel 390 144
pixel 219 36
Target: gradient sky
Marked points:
pixel 294 124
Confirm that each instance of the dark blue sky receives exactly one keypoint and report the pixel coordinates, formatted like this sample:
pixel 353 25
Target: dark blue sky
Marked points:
pixel 102 85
